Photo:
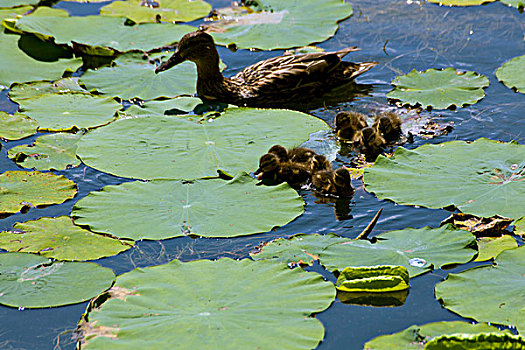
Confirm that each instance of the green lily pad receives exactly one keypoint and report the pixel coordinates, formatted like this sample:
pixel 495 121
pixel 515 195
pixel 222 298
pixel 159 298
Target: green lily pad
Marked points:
pixel 19 67
pixel 491 247
pixel 69 111
pixel 19 92
pixel 132 77
pixel 177 208
pixel 414 337
pixel 21 189
pixel 460 2
pixel 222 304
pixel 514 3
pixel 479 341
pixel 179 105
pixel 439 88
pixel 373 279
pixel 12 12
pixel 483 178
pixel 16 126
pixel 174 147
pixel 512 74
pixel 519 227
pixel 162 10
pixel 55 151
pixel 499 288
pixel 275 24
pixel 58 238
pixel 419 250
pixel 32 281
pixel 104 34
pixel 15 3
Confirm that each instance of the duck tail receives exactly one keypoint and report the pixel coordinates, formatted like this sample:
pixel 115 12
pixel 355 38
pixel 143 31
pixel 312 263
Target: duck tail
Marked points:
pixel 352 70
pixel 342 53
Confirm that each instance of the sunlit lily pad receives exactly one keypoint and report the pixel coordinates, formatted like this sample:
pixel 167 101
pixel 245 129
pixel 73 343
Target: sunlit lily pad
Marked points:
pixel 461 341
pixel 210 208
pixel 514 3
pixel 439 88
pixel 275 24
pixel 19 92
pixel 103 32
pixel 131 77
pixel 174 147
pixel 69 111
pixel 460 2
pixel 491 247
pixel 497 288
pixel 141 11
pixel 12 12
pixel 483 178
pixel 32 188
pixel 58 238
pixel 55 151
pixel 16 126
pixel 373 279
pixel 512 74
pixel 14 3
pixel 222 304
pixel 519 227
pixel 17 66
pixel 32 281
pixel 414 337
pixel 419 250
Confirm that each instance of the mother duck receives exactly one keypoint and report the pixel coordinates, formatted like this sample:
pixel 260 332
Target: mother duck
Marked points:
pixel 266 83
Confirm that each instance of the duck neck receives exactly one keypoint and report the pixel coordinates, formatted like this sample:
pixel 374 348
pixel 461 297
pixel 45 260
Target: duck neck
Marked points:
pixel 209 77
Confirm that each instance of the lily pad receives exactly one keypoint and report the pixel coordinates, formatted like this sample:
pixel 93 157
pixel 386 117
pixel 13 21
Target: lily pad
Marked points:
pixel 105 33
pixel 32 281
pixel 512 74
pixel 12 12
pixel 174 147
pixel 17 66
pixel 177 208
pixel 483 177
pixel 69 111
pixel 55 151
pixel 419 250
pixel 21 189
pixel 222 304
pixel 140 11
pixel 499 288
pixel 174 106
pixel 519 227
pixel 479 341
pixel 460 2
pixel 132 77
pixel 15 3
pixel 373 279
pixel 16 126
pixel 19 92
pixel 58 238
pixel 275 24
pixel 514 3
pixel 414 337
pixel 439 88
pixel 491 247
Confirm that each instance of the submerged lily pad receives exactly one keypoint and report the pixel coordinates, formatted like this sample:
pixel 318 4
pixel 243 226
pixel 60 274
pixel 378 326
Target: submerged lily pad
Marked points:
pixel 512 74
pixel 414 337
pixel 222 304
pixel 16 126
pixel 460 2
pixel 275 24
pixel 106 33
pixel 174 147
pixel 69 111
pixel 166 209
pixel 499 288
pixel 140 11
pixel 21 189
pixel 491 247
pixel 32 281
pixel 19 92
pixel 131 77
pixel 439 88
pixel 55 151
pixel 483 178
pixel 58 238
pixel 419 250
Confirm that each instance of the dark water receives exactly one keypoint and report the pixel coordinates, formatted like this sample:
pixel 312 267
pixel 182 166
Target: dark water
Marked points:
pixel 400 35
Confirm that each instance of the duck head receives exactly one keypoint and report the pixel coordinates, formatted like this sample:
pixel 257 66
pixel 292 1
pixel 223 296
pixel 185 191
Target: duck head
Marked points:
pixel 268 163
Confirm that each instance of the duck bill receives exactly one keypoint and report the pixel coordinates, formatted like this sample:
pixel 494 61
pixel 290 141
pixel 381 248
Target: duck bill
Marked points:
pixel 172 61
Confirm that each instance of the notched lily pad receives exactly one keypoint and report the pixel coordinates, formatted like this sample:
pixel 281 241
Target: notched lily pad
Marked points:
pixel 32 281
pixel 275 24
pixel 58 238
pixel 498 287
pixel 512 74
pixel 374 279
pixel 439 88
pixel 25 189
pixel 480 227
pixel 273 312
pixel 491 247
pixel 16 126
pixel 55 151
pixel 482 178
pixel 166 209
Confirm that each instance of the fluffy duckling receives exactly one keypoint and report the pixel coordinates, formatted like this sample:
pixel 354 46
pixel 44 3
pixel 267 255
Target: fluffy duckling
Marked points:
pixel 337 183
pixel 301 155
pixel 268 168
pixel 323 181
pixel 280 151
pixel 388 124
pixel 343 182
pixel 320 163
pixel 296 175
pixel 347 124
pixel 371 142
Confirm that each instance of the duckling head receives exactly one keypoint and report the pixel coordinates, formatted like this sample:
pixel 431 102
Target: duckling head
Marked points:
pixel 268 163
pixel 319 163
pixel 343 182
pixel 301 155
pixel 323 181
pixel 280 151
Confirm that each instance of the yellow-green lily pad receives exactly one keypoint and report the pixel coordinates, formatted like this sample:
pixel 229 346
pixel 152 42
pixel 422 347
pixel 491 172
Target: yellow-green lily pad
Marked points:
pixel 512 74
pixel 460 2
pixel 16 3
pixel 16 126
pixel 373 279
pixel 481 341
pixel 59 239
pixel 491 247
pixel 520 4
pixel 519 227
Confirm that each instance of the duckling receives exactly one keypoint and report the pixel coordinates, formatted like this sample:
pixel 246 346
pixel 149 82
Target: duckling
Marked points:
pixel 323 182
pixel 280 151
pixel 301 155
pixel 343 182
pixel 388 124
pixel 320 163
pixel 347 124
pixel 371 142
pixel 296 175
pixel 268 168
